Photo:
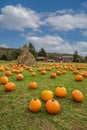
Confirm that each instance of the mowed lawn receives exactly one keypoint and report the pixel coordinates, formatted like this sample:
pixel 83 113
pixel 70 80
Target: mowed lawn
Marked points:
pixel 14 106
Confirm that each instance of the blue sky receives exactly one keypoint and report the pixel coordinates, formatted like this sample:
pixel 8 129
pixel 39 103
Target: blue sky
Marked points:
pixel 56 25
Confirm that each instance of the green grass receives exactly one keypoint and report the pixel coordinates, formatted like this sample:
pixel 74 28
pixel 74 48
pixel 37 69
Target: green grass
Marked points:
pixel 14 106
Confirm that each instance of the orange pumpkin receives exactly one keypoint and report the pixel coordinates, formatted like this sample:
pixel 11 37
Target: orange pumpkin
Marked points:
pixel 2 68
pixel 33 85
pixel 77 96
pixel 19 77
pixel 53 75
pixel 52 106
pixel 64 72
pixel 10 86
pixel 78 77
pixel 43 72
pixel 35 105
pixel 85 74
pixel 46 95
pixel 33 74
pixel 8 73
pixel 58 72
pixel 4 80
pixel 60 92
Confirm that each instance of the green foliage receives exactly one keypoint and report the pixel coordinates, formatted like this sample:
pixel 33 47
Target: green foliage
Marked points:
pixel 85 59
pixel 32 50
pixel 76 57
pixel 42 52
pixel 15 54
pixel 3 57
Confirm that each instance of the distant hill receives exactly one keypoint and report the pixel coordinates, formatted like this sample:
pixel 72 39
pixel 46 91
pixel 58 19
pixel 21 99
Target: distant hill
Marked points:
pixel 9 53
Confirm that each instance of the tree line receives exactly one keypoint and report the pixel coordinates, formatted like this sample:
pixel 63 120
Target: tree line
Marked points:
pixel 42 53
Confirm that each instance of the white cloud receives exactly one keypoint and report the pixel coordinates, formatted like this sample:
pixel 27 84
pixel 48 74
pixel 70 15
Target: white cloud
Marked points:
pixel 81 46
pixel 84 33
pixel 19 18
pixel 3 45
pixel 58 44
pixel 67 22
pixel 51 44
pixel 48 42
pixel 84 4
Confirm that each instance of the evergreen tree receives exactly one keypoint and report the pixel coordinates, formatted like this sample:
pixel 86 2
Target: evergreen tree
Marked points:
pixel 4 57
pixel 85 59
pixel 32 49
pixel 42 52
pixel 76 56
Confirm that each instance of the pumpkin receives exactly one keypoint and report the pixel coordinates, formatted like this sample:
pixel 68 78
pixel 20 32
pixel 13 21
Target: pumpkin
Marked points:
pixel 78 77
pixel 52 106
pixel 19 77
pixel 46 95
pixel 10 86
pixel 8 73
pixel 64 72
pixel 2 68
pixel 77 96
pixel 53 75
pixel 85 74
pixel 58 72
pixel 35 105
pixel 33 74
pixel 60 92
pixel 33 85
pixel 4 80
pixel 75 72
pixel 43 72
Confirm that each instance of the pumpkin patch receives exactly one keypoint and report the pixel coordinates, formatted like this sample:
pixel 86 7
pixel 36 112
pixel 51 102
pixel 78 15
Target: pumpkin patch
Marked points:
pixel 34 97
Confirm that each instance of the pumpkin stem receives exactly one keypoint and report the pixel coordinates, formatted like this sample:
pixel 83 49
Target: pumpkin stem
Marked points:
pixel 35 99
pixel 52 100
pixel 60 85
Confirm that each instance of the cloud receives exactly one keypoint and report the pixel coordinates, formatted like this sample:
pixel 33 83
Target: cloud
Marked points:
pixel 84 4
pixel 57 44
pixel 81 46
pixel 51 43
pixel 84 33
pixel 67 22
pixel 3 45
pixel 19 18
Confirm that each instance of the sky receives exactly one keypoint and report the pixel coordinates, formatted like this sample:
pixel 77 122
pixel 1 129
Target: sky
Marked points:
pixel 56 25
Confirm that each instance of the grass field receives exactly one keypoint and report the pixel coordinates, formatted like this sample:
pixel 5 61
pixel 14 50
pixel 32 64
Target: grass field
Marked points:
pixel 14 106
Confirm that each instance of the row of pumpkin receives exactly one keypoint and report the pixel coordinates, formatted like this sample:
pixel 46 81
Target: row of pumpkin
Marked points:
pixel 52 105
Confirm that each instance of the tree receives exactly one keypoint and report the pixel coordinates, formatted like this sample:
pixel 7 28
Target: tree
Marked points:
pixel 76 56
pixel 32 50
pixel 4 57
pixel 85 59
pixel 42 52
pixel 15 54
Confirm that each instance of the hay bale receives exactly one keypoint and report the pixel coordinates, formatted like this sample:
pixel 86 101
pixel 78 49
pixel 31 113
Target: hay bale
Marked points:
pixel 26 57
